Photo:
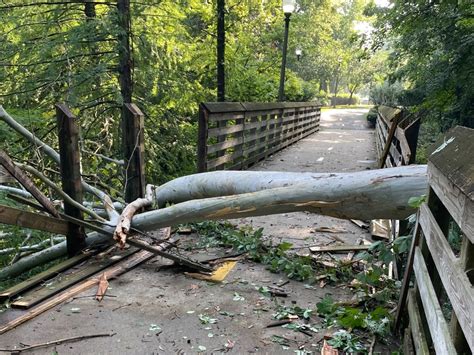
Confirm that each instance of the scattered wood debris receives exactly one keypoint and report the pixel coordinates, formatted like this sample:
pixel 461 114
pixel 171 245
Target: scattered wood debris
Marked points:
pixel 380 228
pixel 102 289
pixel 111 272
pixel 338 248
pixel 360 224
pixel 216 276
pixel 328 349
pixel 57 342
pixel 331 230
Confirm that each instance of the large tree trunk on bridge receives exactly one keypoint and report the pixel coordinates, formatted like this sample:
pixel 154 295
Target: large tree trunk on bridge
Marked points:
pixel 370 194
pixel 227 183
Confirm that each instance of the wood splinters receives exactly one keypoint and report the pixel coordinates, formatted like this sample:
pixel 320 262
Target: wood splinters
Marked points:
pixel 102 289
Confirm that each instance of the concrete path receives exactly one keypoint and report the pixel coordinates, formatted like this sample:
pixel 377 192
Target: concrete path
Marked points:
pixel 155 309
pixel 343 144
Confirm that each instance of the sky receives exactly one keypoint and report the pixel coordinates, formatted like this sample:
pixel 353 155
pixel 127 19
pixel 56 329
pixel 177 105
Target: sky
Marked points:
pixel 382 3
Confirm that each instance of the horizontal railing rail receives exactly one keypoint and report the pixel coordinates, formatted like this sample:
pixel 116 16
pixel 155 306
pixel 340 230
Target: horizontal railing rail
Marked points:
pixel 236 135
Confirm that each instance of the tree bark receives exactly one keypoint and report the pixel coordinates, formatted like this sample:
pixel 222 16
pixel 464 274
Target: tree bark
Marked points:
pixel 226 183
pixel 362 195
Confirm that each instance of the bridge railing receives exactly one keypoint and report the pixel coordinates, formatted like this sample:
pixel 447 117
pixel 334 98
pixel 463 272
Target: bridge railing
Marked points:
pixel 236 135
pixel 396 136
pixel 440 306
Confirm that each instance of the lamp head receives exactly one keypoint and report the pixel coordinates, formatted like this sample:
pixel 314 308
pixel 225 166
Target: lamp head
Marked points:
pixel 298 52
pixel 289 6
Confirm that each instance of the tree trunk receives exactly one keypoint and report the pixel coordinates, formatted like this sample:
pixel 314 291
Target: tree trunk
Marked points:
pixel 370 194
pixel 227 183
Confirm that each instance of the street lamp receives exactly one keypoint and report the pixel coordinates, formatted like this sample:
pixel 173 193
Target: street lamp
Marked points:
pixel 339 62
pixel 298 52
pixel 288 9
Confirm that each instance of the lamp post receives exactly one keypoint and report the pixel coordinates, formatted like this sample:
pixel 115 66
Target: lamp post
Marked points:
pixel 298 52
pixel 288 9
pixel 339 61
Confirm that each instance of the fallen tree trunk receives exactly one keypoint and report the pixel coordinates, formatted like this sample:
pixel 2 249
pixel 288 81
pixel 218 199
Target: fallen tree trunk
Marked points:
pixel 227 183
pixel 47 255
pixel 370 194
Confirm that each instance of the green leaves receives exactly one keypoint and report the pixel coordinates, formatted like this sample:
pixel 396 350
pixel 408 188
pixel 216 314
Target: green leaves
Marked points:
pixel 416 201
pixel 346 341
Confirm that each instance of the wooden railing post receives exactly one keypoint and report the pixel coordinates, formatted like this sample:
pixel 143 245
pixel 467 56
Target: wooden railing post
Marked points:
pixel 134 151
pixel 202 139
pixel 70 165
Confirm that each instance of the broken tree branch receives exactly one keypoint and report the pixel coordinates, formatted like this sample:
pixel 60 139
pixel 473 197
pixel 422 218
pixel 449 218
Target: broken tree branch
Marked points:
pixel 20 176
pixel 33 247
pixel 57 342
pixel 106 200
pixel 60 192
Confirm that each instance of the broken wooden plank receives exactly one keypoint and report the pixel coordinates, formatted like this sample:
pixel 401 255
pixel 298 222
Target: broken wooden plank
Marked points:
pixel 111 272
pixel 351 254
pixel 360 223
pixel 44 292
pixel 408 348
pixel 25 219
pixel 21 177
pixel 217 275
pixel 338 248
pixel 181 260
pixel 330 230
pixel 380 228
pixel 43 276
pixel 407 275
pixel 5 177
pixel 388 143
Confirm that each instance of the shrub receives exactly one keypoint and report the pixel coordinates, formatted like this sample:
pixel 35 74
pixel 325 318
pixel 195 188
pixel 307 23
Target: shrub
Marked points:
pixel 387 94
pixel 345 99
pixel 372 117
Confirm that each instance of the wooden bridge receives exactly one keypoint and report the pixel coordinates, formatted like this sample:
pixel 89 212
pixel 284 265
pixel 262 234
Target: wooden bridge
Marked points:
pixel 239 135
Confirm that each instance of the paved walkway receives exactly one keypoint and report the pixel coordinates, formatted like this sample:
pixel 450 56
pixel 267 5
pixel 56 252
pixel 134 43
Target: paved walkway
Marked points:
pixel 343 144
pixel 155 309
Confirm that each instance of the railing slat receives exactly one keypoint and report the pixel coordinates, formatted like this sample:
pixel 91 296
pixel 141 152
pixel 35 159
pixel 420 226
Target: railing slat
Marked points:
pixel 434 315
pixel 252 131
pixel 455 280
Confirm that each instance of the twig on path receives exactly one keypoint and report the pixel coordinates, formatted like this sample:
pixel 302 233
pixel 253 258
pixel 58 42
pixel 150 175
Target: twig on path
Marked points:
pixel 372 344
pixel 57 342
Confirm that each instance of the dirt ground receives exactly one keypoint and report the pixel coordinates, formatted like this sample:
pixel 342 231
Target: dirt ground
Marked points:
pixel 155 309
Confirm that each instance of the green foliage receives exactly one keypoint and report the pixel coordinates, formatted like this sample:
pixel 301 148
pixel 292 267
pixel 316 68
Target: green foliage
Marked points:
pixel 372 117
pixel 387 93
pixel 345 99
pixel 433 54
pixel 416 201
pixel 376 321
pixel 283 312
pixel 346 342
pixel 276 257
